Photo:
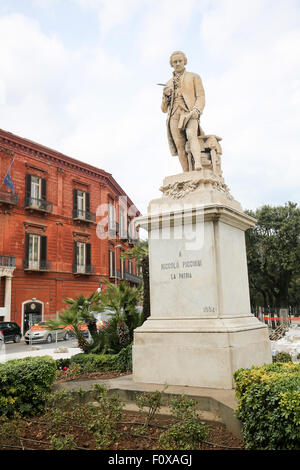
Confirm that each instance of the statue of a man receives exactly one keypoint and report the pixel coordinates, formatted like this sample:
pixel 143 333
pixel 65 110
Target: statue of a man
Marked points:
pixel 184 100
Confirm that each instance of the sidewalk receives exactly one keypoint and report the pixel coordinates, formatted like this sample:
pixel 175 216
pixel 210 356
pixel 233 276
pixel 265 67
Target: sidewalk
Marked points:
pixel 36 351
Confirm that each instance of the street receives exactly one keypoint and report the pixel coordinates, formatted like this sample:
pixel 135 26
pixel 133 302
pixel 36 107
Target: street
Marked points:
pixel 20 350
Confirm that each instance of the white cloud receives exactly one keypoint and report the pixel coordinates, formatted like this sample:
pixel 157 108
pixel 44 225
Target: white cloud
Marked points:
pixel 112 13
pixel 98 107
pixel 253 101
pixel 163 28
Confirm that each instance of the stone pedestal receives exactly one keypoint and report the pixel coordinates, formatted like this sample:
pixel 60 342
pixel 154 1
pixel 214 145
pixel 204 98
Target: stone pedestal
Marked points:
pixel 201 328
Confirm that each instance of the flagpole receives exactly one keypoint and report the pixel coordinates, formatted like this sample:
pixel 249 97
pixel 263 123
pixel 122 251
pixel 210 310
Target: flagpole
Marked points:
pixel 2 184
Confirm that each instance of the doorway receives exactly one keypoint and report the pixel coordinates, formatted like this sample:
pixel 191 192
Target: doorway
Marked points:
pixel 33 313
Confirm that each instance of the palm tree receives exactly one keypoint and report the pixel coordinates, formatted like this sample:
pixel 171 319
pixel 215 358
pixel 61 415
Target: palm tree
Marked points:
pixel 140 252
pixel 121 301
pixel 70 318
pixel 80 311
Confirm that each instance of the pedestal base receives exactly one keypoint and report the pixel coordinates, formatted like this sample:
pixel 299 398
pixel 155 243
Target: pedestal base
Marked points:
pixel 200 330
pixel 198 352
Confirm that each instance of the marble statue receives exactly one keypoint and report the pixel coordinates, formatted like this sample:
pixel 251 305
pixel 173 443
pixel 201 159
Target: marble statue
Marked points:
pixel 184 100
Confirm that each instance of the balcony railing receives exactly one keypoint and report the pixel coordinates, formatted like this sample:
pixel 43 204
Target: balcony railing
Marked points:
pixel 41 265
pixel 83 269
pixel 38 204
pixel 128 277
pixel 8 261
pixel 86 216
pixel 132 278
pixel 131 240
pixel 8 198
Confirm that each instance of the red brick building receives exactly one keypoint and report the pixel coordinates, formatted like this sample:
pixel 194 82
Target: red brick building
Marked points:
pixel 62 229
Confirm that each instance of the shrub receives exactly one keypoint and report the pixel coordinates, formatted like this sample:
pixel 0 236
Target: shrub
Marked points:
pixel 71 373
pixel 91 362
pixel 24 384
pixel 282 357
pixel 188 432
pixel 120 362
pixel 61 363
pixel 269 406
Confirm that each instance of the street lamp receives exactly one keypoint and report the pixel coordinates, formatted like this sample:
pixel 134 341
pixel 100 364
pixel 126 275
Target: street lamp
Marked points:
pixel 117 246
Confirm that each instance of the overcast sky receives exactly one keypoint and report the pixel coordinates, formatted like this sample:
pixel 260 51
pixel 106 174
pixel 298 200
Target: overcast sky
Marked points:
pixel 80 77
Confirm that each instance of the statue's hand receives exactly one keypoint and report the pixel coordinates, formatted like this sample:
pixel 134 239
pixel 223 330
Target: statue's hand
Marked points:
pixel 195 114
pixel 167 91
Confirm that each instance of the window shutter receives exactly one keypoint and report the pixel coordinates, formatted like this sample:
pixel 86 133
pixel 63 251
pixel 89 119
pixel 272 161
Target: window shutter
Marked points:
pixel 43 258
pixel 26 250
pixel 75 202
pixel 28 185
pixel 44 189
pixel 88 256
pixel 75 255
pixel 87 203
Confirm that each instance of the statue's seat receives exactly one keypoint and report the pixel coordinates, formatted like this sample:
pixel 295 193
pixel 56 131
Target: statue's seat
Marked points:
pixel 211 151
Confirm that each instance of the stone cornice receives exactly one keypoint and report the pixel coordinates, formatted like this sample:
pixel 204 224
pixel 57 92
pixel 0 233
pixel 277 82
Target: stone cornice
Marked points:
pixel 213 212
pixel 35 226
pixel 35 168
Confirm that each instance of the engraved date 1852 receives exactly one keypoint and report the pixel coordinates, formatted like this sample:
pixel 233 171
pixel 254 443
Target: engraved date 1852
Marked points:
pixel 208 309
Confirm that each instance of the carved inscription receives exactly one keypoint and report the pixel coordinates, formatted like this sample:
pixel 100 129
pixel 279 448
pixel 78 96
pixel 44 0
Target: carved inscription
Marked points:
pixel 180 268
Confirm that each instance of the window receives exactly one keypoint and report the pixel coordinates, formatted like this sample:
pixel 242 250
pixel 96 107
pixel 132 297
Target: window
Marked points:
pixel 81 202
pixel 35 252
pixel 122 267
pixel 122 218
pixel 111 217
pixel 130 267
pixel 36 190
pixel 82 258
pixel 81 205
pixel 112 266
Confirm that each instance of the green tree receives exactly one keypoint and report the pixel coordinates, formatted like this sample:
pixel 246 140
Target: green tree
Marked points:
pixel 121 301
pixel 273 253
pixel 80 310
pixel 140 253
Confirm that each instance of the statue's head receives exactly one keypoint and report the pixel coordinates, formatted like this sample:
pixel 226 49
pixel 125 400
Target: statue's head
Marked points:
pixel 178 60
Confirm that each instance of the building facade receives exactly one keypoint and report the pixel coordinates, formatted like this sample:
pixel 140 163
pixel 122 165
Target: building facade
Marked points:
pixel 63 227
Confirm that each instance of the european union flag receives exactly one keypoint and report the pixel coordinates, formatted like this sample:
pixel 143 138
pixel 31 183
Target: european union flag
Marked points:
pixel 8 182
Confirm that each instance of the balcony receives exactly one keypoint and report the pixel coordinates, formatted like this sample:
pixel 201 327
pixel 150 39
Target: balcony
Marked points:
pixel 128 277
pixel 87 270
pixel 29 265
pixel 132 278
pixel 7 261
pixel 8 198
pixel 84 216
pixel 38 204
pixel 131 241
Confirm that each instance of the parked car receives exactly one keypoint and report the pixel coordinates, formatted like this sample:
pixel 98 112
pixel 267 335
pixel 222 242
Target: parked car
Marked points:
pixel 11 331
pixel 1 340
pixel 41 334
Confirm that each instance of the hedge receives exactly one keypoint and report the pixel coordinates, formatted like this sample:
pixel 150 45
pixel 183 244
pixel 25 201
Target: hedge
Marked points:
pixel 24 384
pixel 121 362
pixel 269 406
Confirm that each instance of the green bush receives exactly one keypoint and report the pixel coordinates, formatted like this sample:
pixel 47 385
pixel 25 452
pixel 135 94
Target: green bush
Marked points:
pixel 121 362
pixel 92 362
pixel 282 357
pixel 61 363
pixel 269 406
pixel 24 384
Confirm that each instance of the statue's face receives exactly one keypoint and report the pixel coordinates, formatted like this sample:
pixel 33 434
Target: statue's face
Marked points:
pixel 178 62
